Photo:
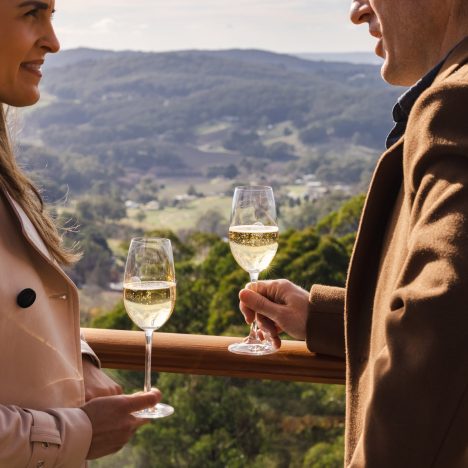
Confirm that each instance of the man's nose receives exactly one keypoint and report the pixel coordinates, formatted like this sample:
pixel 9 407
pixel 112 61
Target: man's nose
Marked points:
pixel 360 11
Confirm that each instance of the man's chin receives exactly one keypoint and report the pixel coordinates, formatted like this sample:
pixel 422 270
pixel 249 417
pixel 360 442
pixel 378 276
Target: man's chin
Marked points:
pixel 396 76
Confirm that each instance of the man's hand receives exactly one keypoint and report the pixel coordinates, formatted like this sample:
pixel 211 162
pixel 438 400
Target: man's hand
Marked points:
pixel 97 383
pixel 113 422
pixel 280 306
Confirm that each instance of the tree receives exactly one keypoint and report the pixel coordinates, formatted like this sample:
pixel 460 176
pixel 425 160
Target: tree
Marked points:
pixel 207 429
pixel 140 216
pixel 116 319
pixel 101 208
pixel 345 220
pixel 192 191
pixel 213 222
pixel 231 172
pixel 96 264
pixel 325 455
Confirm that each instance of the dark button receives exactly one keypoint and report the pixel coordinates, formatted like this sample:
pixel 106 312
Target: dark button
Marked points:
pixel 26 298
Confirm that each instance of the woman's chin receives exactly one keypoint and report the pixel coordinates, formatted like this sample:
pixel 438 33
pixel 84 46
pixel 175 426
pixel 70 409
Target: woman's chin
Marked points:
pixel 22 100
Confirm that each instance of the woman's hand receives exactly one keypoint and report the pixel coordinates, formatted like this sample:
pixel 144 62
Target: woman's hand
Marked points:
pixel 113 422
pixel 97 383
pixel 280 306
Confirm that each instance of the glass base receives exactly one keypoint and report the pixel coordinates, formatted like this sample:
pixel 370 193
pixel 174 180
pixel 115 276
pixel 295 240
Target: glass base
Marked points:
pixel 254 349
pixel 161 410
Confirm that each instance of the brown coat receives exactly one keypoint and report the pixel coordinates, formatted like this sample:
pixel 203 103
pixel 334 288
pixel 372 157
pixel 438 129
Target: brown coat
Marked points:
pixel 41 384
pixel 405 327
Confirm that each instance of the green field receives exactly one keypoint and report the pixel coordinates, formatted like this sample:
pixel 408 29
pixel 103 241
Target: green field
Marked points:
pixel 174 187
pixel 180 219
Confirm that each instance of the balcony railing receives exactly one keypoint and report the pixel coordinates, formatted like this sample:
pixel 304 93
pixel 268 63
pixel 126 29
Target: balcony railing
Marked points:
pixel 208 355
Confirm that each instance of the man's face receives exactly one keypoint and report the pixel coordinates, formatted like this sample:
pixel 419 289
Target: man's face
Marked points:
pixel 412 34
pixel 26 36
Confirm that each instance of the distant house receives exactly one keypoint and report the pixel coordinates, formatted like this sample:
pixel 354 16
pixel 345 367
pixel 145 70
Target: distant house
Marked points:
pixel 184 197
pixel 315 190
pixel 152 205
pixel 346 189
pixel 130 204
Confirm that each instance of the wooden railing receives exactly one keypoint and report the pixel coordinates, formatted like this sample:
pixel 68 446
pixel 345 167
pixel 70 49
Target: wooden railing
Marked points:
pixel 208 355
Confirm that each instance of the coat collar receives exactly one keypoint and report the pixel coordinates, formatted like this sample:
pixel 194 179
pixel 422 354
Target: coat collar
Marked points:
pixel 28 228
pixel 456 58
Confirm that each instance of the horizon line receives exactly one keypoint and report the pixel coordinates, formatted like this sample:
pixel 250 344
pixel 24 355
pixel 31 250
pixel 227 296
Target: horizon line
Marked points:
pixel 367 52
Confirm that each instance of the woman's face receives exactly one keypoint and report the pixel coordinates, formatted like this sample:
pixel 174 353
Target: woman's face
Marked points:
pixel 26 36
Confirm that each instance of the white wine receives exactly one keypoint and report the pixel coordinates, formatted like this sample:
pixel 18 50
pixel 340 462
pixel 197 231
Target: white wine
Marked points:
pixel 149 304
pixel 253 246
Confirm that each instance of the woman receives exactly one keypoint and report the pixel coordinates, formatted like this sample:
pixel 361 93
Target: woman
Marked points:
pixel 55 408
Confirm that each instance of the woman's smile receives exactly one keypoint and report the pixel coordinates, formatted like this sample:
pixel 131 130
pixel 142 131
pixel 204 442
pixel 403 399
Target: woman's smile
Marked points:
pixel 33 67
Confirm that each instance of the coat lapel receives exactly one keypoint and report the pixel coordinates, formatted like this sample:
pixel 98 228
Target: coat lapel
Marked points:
pixel 383 191
pixel 33 238
pixel 362 274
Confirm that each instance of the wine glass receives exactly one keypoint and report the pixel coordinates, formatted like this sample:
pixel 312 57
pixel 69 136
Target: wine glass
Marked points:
pixel 253 238
pixel 149 298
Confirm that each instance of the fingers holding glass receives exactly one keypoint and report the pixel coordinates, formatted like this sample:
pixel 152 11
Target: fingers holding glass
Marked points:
pixel 253 239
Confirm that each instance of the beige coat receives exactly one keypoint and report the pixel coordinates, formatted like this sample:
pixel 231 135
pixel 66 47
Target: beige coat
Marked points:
pixel 41 386
pixel 405 327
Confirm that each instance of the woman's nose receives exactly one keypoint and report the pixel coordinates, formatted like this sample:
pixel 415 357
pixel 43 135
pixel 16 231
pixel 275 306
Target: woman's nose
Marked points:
pixel 49 41
pixel 360 11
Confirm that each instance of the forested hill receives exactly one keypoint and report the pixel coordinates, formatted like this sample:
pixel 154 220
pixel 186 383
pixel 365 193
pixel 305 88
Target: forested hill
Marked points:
pixel 119 127
pixel 185 113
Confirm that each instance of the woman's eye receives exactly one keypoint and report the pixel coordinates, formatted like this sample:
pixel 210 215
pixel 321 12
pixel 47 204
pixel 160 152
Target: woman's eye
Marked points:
pixel 34 13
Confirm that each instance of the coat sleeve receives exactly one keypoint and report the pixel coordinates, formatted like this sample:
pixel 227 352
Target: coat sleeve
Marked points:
pixel 86 350
pixel 325 322
pixel 58 438
pixel 418 411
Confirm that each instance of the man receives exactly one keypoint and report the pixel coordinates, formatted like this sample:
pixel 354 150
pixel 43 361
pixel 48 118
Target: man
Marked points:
pixel 402 321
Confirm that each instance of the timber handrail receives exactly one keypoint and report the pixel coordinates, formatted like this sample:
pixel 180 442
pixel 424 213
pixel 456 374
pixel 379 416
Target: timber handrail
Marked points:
pixel 208 355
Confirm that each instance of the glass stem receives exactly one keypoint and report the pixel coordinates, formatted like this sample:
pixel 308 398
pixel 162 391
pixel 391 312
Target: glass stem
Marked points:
pixel 149 345
pixel 253 326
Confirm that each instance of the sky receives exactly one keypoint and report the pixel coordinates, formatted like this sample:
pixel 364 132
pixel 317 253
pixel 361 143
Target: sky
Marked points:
pixel 294 26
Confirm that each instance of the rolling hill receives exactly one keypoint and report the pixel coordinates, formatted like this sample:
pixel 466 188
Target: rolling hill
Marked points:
pixel 195 113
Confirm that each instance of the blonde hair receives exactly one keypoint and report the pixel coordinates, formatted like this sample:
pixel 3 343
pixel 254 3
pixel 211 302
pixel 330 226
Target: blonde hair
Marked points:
pixel 21 188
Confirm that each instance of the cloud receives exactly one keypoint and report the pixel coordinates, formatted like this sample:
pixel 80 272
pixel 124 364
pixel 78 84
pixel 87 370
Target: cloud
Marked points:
pixel 281 25
pixel 103 26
